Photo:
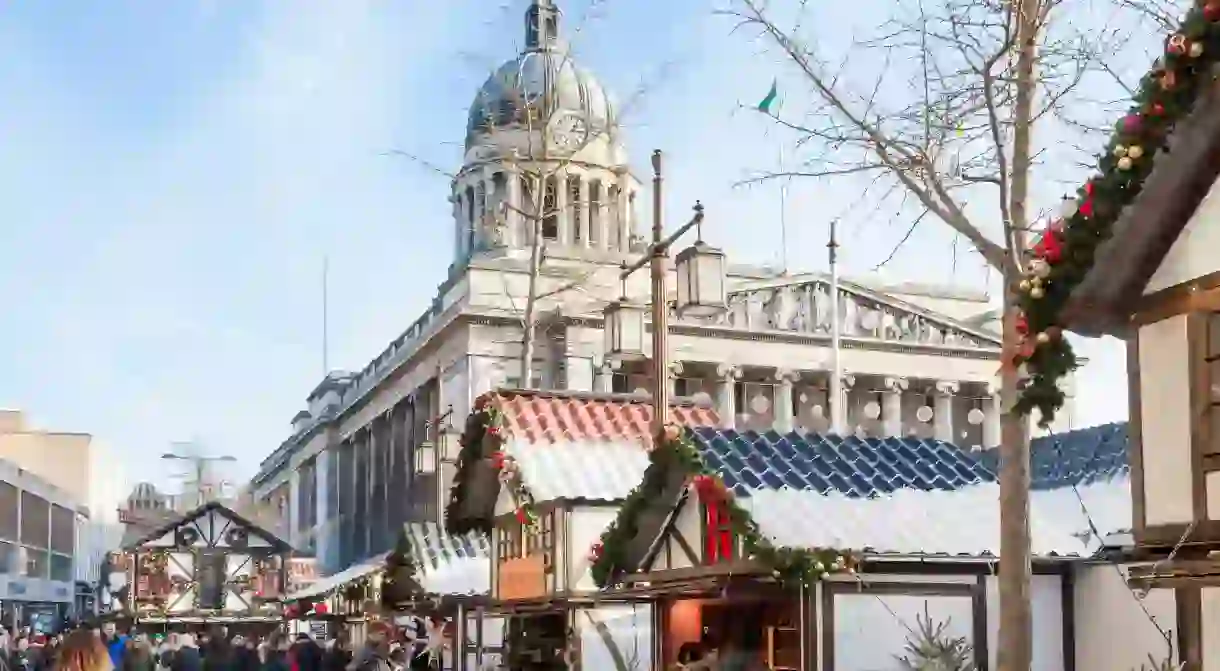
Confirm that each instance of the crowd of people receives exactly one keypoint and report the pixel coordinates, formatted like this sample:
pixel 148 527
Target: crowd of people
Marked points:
pixel 106 649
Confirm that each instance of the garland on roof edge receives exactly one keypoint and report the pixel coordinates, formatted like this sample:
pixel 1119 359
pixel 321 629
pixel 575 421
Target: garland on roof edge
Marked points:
pixel 1065 252
pixel 483 440
pixel 608 559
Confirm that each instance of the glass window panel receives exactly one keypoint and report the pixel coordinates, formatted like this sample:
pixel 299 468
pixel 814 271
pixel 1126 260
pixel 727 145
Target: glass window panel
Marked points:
pixel 9 497
pixel 8 558
pixel 37 563
pixel 35 520
pixel 61 567
pixel 63 528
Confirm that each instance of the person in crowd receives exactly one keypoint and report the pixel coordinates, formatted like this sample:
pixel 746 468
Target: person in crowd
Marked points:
pixel 115 643
pixel 375 654
pixel 82 651
pixel 138 656
pixel 187 657
pixel 275 655
pixel 338 654
pixel 741 650
pixel 306 654
pixel 245 654
pixel 217 653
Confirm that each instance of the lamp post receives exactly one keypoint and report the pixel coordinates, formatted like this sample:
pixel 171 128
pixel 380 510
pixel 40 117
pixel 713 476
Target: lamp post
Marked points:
pixel 701 291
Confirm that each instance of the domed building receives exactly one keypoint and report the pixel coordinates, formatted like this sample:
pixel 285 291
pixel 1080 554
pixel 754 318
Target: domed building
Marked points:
pixel 542 134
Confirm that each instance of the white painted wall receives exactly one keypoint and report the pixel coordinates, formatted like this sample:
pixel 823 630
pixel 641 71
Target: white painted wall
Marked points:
pixel 1193 253
pixel 584 528
pixel 870 630
pixel 629 628
pixel 1165 420
pixel 1115 629
pixel 1046 597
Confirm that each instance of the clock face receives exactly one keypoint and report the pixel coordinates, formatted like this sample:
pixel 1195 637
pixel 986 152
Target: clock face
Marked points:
pixel 569 131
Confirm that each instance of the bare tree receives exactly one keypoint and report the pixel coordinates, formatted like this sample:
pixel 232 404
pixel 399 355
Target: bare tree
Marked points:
pixel 958 88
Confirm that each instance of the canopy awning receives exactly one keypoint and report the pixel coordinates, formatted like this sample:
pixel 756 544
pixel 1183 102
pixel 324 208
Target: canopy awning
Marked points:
pixel 332 582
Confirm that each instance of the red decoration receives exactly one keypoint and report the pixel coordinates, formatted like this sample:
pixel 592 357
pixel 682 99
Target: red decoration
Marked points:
pixel 718 538
pixel 1177 44
pixel 320 609
pixel 497 460
pixel 1049 247
pixel 1211 11
pixel 522 516
pixel 1022 325
pixel 1156 109
pixel 493 430
pixel 1132 123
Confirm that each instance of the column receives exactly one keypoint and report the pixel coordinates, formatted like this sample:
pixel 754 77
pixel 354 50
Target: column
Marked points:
pixel 490 219
pixel 622 220
pixel 512 216
pixel 942 414
pixel 294 506
pixel 603 379
pixel 458 237
pixel 891 405
pixel 603 215
pixel 322 466
pixel 783 399
pixel 840 408
pixel 726 397
pixel 584 210
pixel 992 412
pixel 563 210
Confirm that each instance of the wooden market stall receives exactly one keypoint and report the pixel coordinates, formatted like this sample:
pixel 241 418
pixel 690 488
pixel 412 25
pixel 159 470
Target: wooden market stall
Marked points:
pixel 211 566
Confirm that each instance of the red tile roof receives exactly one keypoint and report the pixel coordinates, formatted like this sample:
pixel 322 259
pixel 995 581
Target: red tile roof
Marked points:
pixel 561 416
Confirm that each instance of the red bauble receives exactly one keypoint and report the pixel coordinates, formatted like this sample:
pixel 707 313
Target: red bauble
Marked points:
pixel 320 609
pixel 1022 325
pixel 1132 123
pixel 497 460
pixel 1211 11
pixel 1049 247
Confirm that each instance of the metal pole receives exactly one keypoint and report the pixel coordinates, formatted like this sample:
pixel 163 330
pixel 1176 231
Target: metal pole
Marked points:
pixel 838 409
pixel 660 308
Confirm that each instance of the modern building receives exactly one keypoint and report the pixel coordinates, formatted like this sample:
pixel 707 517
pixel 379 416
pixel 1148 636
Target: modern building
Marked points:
pixel 75 467
pixel 45 545
pixel 916 360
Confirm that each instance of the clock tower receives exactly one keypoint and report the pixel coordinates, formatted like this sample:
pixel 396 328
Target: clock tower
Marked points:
pixel 543 157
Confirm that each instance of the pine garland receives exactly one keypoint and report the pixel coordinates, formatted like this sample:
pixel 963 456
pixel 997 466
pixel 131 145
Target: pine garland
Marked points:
pixel 483 441
pixel 676 450
pixel 1066 251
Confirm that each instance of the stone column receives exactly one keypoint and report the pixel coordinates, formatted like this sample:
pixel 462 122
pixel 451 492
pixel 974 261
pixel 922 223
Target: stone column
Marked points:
pixel 891 405
pixel 603 215
pixel 783 400
pixel 992 412
pixel 603 378
pixel 585 204
pixel 623 220
pixel 459 237
pixel 512 214
pixel 563 210
pixel 490 216
pixel 294 506
pixel 942 414
pixel 726 397
pixel 840 408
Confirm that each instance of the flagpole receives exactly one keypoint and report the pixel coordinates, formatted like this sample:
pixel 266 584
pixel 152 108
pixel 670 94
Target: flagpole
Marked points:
pixel 838 409
pixel 783 212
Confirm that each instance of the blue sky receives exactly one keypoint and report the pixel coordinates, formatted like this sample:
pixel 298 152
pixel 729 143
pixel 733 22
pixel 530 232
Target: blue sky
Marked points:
pixel 173 173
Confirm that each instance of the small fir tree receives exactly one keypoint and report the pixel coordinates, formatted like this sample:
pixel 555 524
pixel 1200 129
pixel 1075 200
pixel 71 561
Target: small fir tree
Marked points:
pixel 930 647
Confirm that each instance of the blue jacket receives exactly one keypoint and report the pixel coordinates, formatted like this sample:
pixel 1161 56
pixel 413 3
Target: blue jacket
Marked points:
pixel 116 646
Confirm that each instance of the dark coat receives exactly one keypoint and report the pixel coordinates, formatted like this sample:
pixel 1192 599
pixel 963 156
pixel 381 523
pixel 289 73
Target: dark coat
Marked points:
pixel 187 659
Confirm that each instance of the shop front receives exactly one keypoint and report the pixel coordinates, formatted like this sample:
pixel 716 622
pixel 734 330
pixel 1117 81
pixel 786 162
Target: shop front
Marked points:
pixel 41 605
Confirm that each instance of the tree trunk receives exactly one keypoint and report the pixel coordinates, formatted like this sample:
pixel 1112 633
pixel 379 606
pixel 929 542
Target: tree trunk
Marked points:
pixel 531 306
pixel 1015 636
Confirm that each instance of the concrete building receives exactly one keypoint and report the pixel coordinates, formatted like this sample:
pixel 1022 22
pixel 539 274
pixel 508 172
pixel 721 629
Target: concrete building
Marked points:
pixel 916 360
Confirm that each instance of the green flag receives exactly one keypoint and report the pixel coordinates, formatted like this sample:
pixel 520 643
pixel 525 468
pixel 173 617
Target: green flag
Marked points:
pixel 767 102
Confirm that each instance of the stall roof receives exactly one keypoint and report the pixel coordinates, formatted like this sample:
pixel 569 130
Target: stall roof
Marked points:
pixel 333 581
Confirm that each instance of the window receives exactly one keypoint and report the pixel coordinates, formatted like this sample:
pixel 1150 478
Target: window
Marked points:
pixel 35 520
pixel 550 218
pixel 8 558
pixel 61 567
pixel 63 529
pixel 37 563
pixel 1212 361
pixel 9 496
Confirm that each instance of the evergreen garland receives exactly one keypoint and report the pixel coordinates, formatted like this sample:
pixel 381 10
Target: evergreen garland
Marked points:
pixel 1065 253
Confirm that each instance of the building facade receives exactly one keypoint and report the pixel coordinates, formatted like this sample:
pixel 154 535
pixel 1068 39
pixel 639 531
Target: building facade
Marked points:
pixel 916 360
pixel 45 546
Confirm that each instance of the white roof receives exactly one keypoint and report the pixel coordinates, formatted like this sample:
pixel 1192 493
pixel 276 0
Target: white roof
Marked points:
pixel 1100 515
pixel 962 522
pixel 330 582
pixel 595 470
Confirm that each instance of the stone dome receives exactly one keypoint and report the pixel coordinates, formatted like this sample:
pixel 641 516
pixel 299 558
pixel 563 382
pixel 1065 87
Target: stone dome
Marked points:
pixel 146 497
pixel 523 82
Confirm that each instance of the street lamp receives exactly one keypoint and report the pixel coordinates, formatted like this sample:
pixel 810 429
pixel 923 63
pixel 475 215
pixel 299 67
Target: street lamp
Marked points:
pixel 697 292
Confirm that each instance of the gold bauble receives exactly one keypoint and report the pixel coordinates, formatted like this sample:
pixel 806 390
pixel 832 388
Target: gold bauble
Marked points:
pixel 1135 151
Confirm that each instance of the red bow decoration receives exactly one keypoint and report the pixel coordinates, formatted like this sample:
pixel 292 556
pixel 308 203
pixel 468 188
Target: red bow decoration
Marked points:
pixel 497 460
pixel 1049 247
